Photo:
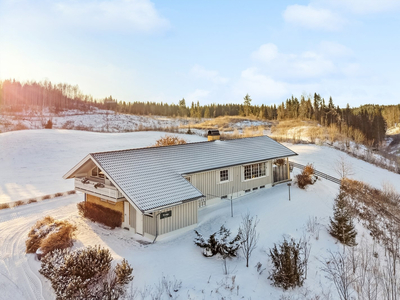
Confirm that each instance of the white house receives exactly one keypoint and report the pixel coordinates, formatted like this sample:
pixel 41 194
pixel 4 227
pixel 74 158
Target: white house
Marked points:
pixel 160 189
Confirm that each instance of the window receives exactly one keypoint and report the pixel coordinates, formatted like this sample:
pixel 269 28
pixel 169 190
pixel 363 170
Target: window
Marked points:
pixel 96 172
pixel 223 176
pixel 254 171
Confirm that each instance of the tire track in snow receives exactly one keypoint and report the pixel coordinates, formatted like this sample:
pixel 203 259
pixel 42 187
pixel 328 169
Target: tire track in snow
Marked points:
pixel 18 280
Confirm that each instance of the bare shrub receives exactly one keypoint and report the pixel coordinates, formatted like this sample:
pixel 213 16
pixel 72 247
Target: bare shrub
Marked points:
pixel 60 238
pixel 71 192
pixel 343 167
pixel 249 235
pixel 306 177
pixel 46 197
pixel 169 140
pixel 18 203
pixel 100 214
pixel 313 133
pixel 333 132
pixel 58 194
pixel 313 227
pixel 37 233
pixel 4 205
pixel 32 201
pixel 338 269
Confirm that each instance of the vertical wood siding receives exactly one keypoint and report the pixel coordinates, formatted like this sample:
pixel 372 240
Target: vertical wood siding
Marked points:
pixel 208 182
pixel 181 216
pixel 149 225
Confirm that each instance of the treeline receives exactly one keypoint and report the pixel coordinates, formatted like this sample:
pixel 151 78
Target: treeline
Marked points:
pixel 370 120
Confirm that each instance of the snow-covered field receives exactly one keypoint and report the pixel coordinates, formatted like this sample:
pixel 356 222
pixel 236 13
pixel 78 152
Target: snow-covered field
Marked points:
pixel 34 161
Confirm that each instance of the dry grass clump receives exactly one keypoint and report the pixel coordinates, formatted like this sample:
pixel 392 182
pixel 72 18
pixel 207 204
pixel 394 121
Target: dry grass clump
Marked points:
pixel 49 234
pixel 71 192
pixel 306 176
pixel 32 201
pixel 58 194
pixel 223 122
pixel 18 203
pixel 169 140
pixel 46 197
pixel 100 214
pixel 4 205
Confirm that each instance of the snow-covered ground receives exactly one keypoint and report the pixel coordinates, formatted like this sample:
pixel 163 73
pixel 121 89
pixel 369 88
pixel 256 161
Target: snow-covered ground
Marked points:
pixel 34 160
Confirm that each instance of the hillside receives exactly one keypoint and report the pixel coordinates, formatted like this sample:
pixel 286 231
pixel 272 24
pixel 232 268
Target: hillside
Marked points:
pixel 36 160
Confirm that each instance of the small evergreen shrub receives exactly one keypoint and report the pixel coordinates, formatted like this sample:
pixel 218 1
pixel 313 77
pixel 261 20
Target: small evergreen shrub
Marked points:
pixel 289 264
pixel 341 226
pixel 85 274
pixel 49 125
pixel 100 214
pixel 218 243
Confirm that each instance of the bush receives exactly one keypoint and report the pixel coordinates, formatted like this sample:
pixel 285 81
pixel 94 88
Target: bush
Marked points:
pixel 100 214
pixel 306 177
pixel 85 274
pixel 18 203
pixel 48 234
pixel 280 162
pixel 4 205
pixel 58 194
pixel 32 201
pixel 46 197
pixel 288 269
pixel 49 125
pixel 60 238
pixel 169 140
pixel 218 243
pixel 71 192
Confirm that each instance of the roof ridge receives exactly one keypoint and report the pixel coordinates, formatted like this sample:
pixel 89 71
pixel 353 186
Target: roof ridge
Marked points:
pixel 169 146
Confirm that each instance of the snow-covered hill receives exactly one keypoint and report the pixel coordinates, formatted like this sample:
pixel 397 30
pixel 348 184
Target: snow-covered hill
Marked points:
pixel 33 162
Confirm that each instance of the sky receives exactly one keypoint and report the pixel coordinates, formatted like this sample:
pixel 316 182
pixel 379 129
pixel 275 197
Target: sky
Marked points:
pixel 207 51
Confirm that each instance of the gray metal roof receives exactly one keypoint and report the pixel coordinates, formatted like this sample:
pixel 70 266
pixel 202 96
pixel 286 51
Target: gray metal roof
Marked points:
pixel 151 177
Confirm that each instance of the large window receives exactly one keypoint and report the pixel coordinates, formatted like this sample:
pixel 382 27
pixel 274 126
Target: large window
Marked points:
pixel 254 171
pixel 223 176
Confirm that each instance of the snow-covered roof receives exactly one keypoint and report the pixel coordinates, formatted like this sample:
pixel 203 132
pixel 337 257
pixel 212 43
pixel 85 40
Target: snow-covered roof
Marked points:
pixel 152 177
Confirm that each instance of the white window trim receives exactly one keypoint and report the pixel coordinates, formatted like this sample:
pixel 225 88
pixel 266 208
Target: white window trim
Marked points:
pixel 243 170
pixel 219 176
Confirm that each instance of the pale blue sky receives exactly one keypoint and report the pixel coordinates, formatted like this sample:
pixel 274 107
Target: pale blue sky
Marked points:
pixel 211 51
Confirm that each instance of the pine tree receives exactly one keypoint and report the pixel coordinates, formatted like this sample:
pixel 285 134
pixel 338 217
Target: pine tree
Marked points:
pixel 342 227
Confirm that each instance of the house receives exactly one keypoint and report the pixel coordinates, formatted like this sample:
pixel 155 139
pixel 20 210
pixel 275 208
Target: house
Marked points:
pixel 161 189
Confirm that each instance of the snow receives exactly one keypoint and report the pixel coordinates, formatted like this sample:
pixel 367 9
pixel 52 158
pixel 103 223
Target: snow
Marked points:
pixel 35 160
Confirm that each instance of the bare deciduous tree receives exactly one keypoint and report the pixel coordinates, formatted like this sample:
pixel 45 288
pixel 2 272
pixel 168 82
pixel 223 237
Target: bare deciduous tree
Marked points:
pixel 343 167
pixel 249 235
pixel 339 270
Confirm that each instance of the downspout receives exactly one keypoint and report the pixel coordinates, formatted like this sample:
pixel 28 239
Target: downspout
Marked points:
pixel 156 228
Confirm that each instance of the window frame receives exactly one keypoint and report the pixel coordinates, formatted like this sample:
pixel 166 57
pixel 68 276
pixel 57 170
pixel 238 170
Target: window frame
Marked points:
pixel 226 175
pixel 254 171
